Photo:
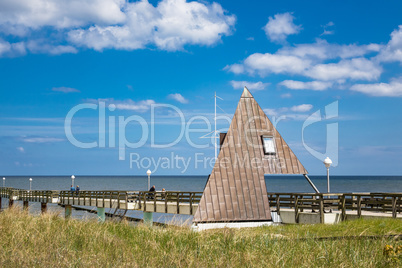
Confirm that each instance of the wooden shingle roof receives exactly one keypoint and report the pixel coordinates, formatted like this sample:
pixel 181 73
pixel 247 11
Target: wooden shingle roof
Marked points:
pixel 236 189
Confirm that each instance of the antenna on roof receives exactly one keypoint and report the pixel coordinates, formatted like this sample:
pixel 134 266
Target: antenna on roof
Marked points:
pixel 215 132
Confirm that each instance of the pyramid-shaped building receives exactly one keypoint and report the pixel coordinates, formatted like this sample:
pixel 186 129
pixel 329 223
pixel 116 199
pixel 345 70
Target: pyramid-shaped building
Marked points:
pixel 236 190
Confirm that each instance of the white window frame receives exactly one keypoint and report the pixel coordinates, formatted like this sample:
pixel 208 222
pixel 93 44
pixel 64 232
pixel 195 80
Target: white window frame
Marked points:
pixel 273 143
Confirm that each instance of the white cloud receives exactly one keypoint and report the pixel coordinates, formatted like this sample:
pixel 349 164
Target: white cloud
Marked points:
pixel 392 89
pixel 65 89
pixel 250 85
pixel 279 27
pixel 286 95
pixel 285 113
pixel 274 63
pixel 42 140
pixel 169 26
pixel 34 14
pixel 326 31
pixel 178 97
pixel 393 50
pixel 56 27
pixel 12 49
pixel 41 46
pixel 313 85
pixel 302 108
pixel 356 69
pixel 235 68
pixel 297 112
pixel 139 106
pixel 322 50
pixel 20 149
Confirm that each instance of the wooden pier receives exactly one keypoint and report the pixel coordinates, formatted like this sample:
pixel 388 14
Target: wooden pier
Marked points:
pixel 290 207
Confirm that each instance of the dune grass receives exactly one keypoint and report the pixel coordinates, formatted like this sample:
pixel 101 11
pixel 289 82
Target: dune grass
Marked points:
pixel 52 241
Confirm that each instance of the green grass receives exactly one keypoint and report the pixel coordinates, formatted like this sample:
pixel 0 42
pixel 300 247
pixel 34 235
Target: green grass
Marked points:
pixel 51 241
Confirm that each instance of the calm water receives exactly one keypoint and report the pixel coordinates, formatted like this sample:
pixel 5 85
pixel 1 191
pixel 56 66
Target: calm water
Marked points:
pixel 274 183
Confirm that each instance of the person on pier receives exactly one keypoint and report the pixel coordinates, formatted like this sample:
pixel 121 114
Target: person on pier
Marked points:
pixel 152 192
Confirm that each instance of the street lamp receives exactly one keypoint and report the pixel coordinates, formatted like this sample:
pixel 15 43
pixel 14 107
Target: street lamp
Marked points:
pixel 327 163
pixel 72 180
pixel 30 184
pixel 149 178
pixel 4 182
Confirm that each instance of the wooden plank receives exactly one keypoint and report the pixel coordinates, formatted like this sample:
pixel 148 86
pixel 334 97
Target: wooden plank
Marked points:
pixel 246 156
pixel 243 195
pixel 227 178
pixel 233 176
pixel 257 151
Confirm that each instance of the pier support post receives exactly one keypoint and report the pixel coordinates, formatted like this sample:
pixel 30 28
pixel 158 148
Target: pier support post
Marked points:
pixel 10 203
pixel 25 205
pixel 148 218
pixel 101 214
pixel 67 211
pixel 43 208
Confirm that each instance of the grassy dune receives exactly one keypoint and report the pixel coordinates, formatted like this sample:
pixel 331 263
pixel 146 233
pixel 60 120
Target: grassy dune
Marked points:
pixel 51 241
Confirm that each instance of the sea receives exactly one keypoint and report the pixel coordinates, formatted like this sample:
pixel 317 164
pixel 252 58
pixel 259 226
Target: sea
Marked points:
pixel 274 183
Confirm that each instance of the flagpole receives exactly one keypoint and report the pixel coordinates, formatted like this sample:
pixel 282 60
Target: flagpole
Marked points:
pixel 215 131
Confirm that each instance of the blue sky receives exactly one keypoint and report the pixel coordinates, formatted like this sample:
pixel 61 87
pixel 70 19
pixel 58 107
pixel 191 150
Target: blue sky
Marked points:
pixel 170 56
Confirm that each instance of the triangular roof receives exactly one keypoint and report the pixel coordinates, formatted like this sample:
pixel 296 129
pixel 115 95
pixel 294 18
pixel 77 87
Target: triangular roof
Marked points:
pixel 236 190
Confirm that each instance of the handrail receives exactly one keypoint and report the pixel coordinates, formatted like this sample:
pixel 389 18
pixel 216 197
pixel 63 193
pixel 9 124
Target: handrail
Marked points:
pixel 318 202
pixel 374 202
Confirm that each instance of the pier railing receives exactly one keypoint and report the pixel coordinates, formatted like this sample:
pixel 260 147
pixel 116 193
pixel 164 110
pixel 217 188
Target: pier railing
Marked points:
pixel 120 199
pixel 357 203
pixel 8 192
pixel 169 197
pixel 98 198
pixel 321 203
pixel 45 196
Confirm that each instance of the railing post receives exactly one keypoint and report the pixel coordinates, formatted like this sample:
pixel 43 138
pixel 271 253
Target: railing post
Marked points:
pixel 343 207
pixel 394 207
pixel 178 203
pixel 166 200
pixel 145 201
pixel 154 193
pixel 296 198
pixel 191 203
pixel 359 206
pixel 126 199
pixel 321 208
pixel 278 207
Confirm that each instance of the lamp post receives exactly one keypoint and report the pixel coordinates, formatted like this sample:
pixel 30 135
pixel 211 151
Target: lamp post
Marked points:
pixel 327 163
pixel 149 178
pixel 30 184
pixel 72 180
pixel 4 182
